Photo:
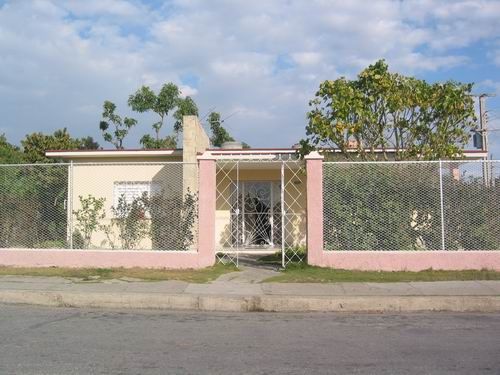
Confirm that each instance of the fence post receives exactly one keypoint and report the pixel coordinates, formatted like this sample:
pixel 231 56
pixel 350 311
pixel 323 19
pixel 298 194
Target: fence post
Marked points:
pixel 206 209
pixel 441 200
pixel 70 204
pixel 283 213
pixel 314 170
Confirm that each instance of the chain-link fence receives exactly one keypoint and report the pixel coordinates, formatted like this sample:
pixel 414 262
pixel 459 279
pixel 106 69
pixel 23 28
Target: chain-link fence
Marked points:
pixel 33 205
pixel 132 206
pixel 438 205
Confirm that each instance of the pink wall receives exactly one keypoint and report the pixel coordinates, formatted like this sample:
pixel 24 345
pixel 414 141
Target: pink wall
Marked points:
pixel 409 260
pixel 358 260
pixel 204 257
pixel 377 260
pixel 100 258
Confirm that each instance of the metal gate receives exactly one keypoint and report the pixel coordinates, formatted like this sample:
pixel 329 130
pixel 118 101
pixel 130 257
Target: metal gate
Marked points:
pixel 260 209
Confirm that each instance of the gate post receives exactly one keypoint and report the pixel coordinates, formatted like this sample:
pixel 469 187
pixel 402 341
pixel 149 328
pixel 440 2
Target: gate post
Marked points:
pixel 314 169
pixel 206 209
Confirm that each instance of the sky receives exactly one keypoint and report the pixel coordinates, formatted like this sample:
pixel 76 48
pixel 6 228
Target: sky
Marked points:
pixel 256 62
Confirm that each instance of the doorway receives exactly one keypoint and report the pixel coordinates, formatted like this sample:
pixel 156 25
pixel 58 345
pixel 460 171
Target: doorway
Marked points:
pixel 260 210
pixel 260 214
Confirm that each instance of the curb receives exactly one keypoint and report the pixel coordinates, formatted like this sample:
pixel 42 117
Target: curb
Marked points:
pixel 254 303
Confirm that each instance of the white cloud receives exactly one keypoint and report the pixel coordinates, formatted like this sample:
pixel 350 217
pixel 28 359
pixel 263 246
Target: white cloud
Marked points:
pixel 187 91
pixel 61 58
pixel 242 65
pixel 115 8
pixel 307 58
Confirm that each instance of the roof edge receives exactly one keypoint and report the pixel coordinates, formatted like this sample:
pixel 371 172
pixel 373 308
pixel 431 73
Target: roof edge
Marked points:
pixel 69 154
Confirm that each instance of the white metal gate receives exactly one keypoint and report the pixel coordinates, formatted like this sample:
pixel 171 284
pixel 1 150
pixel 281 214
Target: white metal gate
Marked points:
pixel 260 209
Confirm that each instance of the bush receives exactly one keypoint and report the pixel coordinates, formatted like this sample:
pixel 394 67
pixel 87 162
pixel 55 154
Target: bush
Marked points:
pixel 130 219
pixel 88 218
pixel 381 207
pixel 397 207
pixel 173 220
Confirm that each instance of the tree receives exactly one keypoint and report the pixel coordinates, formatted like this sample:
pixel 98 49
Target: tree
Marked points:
pixel 121 127
pixel 33 197
pixel 145 100
pixel 382 110
pixel 149 142
pixel 219 133
pixel 36 144
pixel 9 153
pixel 185 107
pixel 88 143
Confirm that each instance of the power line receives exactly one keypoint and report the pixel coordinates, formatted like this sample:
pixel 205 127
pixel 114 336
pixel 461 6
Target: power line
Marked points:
pixel 231 115
pixel 209 112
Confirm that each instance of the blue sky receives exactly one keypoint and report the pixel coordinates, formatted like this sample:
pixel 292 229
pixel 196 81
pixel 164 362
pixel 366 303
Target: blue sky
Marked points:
pixel 259 60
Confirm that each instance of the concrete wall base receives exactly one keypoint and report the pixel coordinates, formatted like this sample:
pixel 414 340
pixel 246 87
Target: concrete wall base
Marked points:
pixel 104 258
pixel 408 260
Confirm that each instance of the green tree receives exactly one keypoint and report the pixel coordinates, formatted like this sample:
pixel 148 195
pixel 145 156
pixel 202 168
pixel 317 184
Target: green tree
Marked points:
pixel 36 144
pixel 33 197
pixel 149 142
pixel 121 126
pixel 9 153
pixel 219 133
pixel 384 110
pixel 185 107
pixel 88 143
pixel 168 98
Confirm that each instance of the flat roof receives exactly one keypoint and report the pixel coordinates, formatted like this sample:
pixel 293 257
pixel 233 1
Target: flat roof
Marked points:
pixel 75 154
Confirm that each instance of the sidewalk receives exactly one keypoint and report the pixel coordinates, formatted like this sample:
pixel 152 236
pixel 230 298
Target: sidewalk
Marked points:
pixel 241 291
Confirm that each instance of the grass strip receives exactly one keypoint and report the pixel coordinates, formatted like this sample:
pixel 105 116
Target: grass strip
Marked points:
pixel 146 274
pixel 298 273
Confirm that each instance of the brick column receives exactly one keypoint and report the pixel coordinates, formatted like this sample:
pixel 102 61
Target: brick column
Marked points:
pixel 206 210
pixel 314 168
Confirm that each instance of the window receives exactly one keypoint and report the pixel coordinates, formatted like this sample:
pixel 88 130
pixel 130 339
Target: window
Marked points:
pixel 133 189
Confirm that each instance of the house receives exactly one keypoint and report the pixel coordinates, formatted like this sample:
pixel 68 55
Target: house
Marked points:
pixel 252 208
pixel 260 198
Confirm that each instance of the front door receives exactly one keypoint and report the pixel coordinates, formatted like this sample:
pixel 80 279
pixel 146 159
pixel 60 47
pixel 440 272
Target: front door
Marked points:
pixel 260 214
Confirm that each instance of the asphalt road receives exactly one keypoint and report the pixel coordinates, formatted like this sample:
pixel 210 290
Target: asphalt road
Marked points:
pixel 36 340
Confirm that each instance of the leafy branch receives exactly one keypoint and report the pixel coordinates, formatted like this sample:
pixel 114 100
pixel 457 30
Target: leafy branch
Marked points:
pixel 120 126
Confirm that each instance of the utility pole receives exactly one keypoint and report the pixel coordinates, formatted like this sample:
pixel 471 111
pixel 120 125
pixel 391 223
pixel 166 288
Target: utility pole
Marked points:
pixel 483 128
pixel 483 121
